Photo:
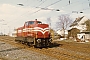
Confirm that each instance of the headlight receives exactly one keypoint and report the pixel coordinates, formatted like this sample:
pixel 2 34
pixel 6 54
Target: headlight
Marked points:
pixel 50 40
pixel 38 40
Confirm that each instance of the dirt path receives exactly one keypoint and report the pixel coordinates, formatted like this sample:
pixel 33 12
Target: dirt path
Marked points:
pixel 60 50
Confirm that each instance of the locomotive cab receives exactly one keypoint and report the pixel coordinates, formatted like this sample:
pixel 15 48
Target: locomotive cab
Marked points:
pixel 32 22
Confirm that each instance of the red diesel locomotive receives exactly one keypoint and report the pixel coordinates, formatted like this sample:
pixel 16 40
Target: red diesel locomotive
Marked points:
pixel 34 33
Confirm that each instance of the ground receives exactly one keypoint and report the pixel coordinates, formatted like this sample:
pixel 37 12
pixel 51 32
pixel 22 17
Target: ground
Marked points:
pixel 60 50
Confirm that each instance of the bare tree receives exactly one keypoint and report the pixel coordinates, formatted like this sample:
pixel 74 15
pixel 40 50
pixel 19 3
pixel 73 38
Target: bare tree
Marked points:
pixel 49 21
pixel 64 22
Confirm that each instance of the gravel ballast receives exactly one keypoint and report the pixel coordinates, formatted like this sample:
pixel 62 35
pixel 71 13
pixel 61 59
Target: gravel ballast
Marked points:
pixel 10 52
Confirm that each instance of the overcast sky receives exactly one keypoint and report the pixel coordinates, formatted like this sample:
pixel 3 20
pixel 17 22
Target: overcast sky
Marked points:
pixel 13 15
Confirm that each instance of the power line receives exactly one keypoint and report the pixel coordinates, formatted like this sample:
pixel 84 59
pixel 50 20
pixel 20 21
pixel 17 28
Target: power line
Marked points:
pixel 81 2
pixel 51 5
pixel 70 3
pixel 41 2
pixel 46 6
pixel 28 11
pixel 54 3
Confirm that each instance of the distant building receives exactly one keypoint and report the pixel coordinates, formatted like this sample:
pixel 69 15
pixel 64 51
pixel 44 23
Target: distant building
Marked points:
pixel 14 33
pixel 1 33
pixel 62 32
pixel 79 23
pixel 84 35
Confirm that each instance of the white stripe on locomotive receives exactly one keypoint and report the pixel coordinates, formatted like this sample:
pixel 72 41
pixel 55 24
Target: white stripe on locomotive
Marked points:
pixel 19 31
pixel 36 29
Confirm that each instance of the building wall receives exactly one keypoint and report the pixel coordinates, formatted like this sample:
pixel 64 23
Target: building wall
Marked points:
pixel 62 32
pixel 80 27
pixel 14 34
pixel 80 24
pixel 87 36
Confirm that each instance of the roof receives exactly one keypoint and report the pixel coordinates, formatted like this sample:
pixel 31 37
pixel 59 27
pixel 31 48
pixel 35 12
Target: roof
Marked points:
pixel 76 21
pixel 86 32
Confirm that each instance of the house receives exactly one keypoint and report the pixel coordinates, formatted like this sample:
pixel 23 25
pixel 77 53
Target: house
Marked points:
pixel 62 32
pixel 14 34
pixel 79 23
pixel 83 36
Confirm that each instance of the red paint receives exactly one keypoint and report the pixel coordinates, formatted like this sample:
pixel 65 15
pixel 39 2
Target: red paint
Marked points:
pixel 34 29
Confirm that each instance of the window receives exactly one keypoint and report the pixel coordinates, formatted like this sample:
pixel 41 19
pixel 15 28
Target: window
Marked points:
pixel 31 22
pixel 26 24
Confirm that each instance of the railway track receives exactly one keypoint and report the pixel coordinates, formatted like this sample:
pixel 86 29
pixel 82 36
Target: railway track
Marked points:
pixel 61 51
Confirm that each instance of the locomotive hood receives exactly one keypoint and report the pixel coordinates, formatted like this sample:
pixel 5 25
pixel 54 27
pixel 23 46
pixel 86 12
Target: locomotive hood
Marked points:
pixel 42 28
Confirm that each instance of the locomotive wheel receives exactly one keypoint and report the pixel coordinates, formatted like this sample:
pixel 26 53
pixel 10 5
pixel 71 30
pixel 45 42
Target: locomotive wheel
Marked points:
pixel 44 43
pixel 36 44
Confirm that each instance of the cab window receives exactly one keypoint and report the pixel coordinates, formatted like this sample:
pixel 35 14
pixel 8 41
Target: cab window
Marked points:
pixel 26 23
pixel 31 22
